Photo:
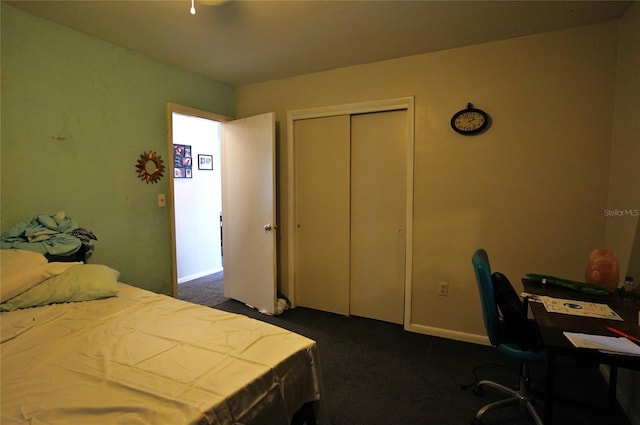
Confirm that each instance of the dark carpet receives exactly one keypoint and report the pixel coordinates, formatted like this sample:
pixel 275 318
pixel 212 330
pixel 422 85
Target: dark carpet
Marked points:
pixel 207 290
pixel 375 373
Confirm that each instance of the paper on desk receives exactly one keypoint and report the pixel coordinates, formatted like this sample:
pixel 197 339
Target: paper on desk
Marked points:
pixel 531 297
pixel 610 344
pixel 579 308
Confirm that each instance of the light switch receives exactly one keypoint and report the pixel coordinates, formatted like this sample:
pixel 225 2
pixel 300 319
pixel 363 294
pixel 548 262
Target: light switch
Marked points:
pixel 162 200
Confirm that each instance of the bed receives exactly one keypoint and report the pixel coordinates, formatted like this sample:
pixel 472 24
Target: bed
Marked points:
pixel 80 347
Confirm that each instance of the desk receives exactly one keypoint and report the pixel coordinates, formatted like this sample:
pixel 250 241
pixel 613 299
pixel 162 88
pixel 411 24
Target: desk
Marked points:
pixel 552 325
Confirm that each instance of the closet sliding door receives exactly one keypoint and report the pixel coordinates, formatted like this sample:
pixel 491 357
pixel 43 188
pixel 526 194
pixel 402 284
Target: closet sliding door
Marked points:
pixel 322 197
pixel 378 199
pixel 350 213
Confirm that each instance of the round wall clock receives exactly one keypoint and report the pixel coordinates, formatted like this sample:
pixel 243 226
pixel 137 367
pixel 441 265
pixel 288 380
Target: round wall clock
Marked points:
pixel 470 121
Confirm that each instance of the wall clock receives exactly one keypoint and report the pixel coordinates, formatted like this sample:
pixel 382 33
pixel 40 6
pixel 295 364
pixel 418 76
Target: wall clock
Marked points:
pixel 470 121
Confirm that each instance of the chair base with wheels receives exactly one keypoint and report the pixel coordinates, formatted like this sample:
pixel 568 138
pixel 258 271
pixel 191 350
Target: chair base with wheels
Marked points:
pixel 523 396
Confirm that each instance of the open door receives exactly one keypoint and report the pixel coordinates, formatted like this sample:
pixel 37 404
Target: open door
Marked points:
pixel 248 208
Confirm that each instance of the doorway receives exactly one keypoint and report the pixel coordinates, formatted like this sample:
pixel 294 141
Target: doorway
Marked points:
pixel 248 179
pixel 196 198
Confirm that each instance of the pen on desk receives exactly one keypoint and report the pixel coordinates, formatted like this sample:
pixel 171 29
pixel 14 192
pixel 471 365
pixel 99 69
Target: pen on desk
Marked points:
pixel 631 337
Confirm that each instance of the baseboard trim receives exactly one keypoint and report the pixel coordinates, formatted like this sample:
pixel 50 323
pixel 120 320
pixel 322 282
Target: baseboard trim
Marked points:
pixel 449 334
pixel 198 275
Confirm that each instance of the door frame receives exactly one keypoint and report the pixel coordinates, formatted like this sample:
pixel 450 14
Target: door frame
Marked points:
pixel 403 103
pixel 185 110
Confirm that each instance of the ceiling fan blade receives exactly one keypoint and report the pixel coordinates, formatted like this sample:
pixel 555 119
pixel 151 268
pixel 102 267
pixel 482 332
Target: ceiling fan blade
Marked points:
pixel 212 2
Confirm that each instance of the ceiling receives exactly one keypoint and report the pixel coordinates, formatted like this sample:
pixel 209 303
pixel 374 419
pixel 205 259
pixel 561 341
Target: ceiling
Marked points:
pixel 243 42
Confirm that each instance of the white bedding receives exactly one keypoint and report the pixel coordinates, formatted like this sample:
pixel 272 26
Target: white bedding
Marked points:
pixel 144 358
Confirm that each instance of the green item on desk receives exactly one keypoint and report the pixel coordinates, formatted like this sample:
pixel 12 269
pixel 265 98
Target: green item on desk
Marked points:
pixel 573 285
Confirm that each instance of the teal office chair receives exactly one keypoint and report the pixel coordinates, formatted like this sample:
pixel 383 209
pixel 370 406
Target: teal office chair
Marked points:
pixel 523 395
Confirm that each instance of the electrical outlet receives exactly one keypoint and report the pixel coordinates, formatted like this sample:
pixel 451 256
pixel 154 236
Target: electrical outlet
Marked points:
pixel 443 289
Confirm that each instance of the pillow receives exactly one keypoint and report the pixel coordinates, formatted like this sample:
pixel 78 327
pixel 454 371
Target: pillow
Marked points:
pixel 21 269
pixel 83 282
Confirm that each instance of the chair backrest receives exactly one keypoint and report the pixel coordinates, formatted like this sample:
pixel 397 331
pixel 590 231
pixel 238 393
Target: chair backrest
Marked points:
pixel 480 261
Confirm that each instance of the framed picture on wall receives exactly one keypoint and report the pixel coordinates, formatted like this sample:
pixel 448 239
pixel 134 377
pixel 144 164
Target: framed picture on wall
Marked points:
pixel 205 162
pixel 182 161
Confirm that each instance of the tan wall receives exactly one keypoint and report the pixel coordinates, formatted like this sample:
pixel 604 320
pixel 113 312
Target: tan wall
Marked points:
pixel 623 231
pixel 624 184
pixel 531 190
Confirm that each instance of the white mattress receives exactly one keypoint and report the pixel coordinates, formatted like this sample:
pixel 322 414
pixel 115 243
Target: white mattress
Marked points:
pixel 144 358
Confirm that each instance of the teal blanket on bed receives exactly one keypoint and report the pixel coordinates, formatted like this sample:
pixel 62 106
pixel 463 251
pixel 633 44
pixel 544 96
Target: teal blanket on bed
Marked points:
pixel 46 234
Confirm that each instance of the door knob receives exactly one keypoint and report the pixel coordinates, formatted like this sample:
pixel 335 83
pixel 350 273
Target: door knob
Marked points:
pixel 267 227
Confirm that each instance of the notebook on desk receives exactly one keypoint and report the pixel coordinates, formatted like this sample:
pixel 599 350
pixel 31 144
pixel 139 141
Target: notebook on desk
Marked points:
pixel 606 344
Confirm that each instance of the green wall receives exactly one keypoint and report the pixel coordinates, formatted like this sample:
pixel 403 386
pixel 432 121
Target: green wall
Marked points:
pixel 77 113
